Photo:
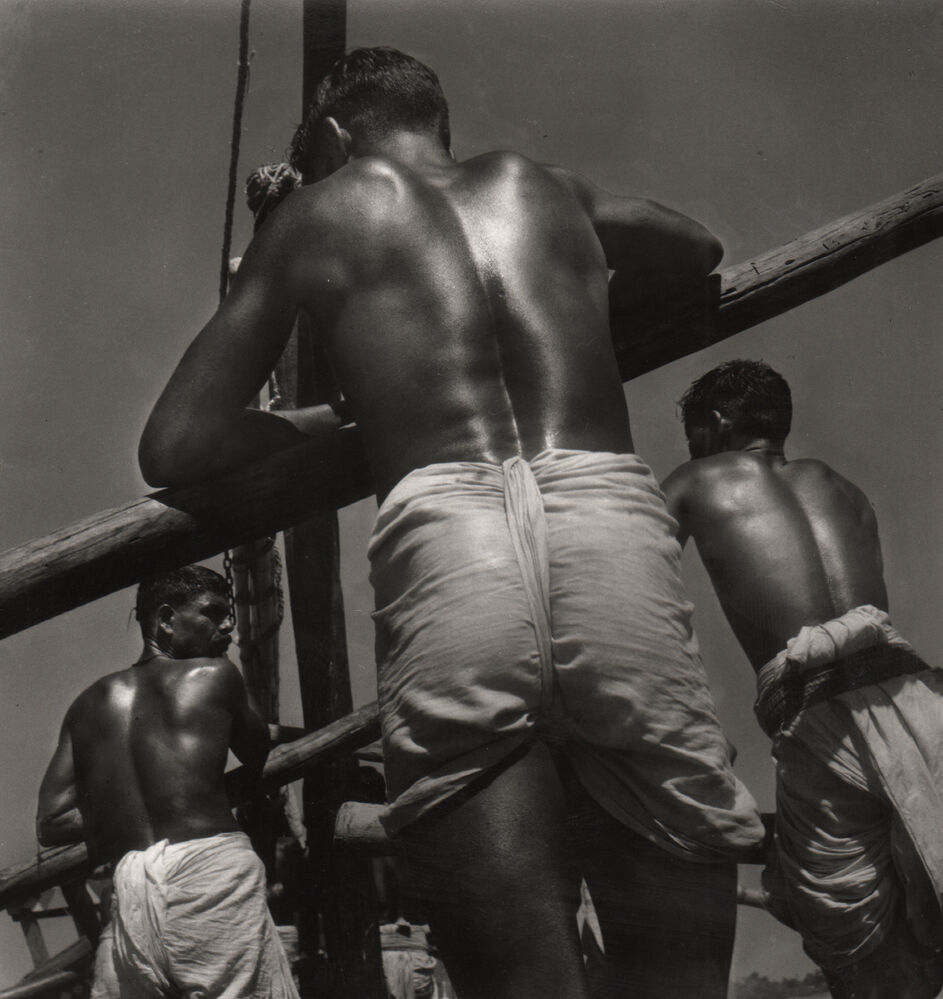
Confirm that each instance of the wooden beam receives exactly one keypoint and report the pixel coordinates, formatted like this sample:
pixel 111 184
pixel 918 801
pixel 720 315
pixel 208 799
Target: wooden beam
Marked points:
pixel 286 763
pixel 114 549
pixel 61 971
pixel 662 327
pixel 51 982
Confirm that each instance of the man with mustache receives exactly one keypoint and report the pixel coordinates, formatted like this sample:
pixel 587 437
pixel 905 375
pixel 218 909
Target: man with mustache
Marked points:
pixel 138 775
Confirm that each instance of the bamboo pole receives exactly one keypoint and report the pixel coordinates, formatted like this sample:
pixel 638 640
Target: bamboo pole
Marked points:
pixel 115 548
pixel 53 866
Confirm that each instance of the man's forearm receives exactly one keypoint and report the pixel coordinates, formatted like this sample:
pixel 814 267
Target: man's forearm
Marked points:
pixel 254 434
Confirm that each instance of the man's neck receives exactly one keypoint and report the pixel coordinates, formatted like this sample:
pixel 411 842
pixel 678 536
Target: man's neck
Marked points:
pixel 151 651
pixel 763 447
pixel 418 150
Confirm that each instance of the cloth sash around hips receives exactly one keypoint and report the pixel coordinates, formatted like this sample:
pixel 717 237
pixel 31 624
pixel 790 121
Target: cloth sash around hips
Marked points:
pixel 544 597
pixel 857 724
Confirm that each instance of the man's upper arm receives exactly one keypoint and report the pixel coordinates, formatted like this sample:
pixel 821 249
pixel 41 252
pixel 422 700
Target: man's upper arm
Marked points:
pixel 58 794
pixel 225 367
pixel 675 488
pixel 249 735
pixel 644 236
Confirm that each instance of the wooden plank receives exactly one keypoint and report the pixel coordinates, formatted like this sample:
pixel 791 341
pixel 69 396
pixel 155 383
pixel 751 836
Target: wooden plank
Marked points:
pixel 34 937
pixel 286 763
pixel 113 549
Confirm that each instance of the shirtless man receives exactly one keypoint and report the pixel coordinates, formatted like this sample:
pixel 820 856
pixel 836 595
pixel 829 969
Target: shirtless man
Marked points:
pixel 526 578
pixel 855 716
pixel 138 775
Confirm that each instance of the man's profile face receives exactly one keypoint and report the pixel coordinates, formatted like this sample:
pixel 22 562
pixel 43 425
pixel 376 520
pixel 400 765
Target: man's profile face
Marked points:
pixel 201 627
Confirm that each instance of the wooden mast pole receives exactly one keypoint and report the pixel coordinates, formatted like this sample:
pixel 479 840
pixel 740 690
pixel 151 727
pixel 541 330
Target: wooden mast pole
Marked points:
pixel 342 908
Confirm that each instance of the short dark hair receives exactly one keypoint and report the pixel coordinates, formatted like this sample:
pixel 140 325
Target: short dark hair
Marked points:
pixel 755 398
pixel 373 92
pixel 177 588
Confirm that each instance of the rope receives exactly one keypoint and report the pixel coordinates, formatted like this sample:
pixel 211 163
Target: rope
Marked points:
pixel 242 88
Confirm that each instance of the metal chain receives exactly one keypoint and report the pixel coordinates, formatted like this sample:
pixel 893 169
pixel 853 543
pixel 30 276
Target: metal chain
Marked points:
pixel 230 589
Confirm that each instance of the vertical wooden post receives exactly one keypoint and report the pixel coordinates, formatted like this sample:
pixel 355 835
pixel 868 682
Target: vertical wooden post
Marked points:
pixel 343 918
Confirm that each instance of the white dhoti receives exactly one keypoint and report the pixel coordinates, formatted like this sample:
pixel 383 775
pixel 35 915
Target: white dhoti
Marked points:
pixel 857 725
pixel 544 598
pixel 190 920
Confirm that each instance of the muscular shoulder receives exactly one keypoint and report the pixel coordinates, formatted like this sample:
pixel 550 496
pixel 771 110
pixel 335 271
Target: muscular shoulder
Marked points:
pixel 218 674
pixel 812 475
pixel 704 476
pixel 107 697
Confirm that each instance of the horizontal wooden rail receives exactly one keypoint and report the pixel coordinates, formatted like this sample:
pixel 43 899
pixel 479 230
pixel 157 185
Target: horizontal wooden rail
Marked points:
pixel 285 763
pixel 51 983
pixel 114 549
pixel 59 972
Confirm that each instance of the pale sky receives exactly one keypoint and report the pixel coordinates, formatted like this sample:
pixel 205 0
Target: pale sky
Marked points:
pixel 761 119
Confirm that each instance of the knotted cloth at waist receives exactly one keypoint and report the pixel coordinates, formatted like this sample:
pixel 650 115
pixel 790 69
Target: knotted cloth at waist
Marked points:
pixel 855 650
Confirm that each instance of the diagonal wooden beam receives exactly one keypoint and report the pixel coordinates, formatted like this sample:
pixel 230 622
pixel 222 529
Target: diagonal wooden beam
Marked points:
pixel 112 550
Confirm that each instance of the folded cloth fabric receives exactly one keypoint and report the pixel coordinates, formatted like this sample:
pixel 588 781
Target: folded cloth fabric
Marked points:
pixel 190 919
pixel 544 597
pixel 859 793
pixel 408 967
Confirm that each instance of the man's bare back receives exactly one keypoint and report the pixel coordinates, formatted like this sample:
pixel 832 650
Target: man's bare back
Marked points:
pixel 150 745
pixel 475 325
pixel 786 543
pixel 464 305
pixel 142 752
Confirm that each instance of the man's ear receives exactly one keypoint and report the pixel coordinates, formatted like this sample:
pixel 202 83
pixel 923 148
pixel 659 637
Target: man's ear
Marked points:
pixel 336 144
pixel 720 424
pixel 165 620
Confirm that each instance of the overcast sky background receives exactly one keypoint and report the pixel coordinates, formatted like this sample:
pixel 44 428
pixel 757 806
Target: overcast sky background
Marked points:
pixel 761 119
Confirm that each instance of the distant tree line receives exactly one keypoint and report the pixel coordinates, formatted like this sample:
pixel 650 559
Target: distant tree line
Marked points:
pixel 756 986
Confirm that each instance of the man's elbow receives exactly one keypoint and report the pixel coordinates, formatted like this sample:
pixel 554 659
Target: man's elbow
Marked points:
pixel 713 252
pixel 50 832
pixel 165 462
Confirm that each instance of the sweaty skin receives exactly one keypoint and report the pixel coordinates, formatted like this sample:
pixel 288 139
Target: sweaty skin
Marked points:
pixel 464 305
pixel 786 543
pixel 465 310
pixel 141 756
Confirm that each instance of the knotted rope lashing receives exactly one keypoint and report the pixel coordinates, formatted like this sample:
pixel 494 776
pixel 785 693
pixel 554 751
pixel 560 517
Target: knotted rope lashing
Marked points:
pixel 267 185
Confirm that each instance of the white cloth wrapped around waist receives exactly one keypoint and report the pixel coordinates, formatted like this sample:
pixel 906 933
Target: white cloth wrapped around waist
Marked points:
pixel 544 598
pixel 859 772
pixel 190 919
pixel 789 681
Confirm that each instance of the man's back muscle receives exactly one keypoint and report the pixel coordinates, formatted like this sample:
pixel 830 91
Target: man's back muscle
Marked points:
pixel 465 307
pixel 150 746
pixel 786 544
